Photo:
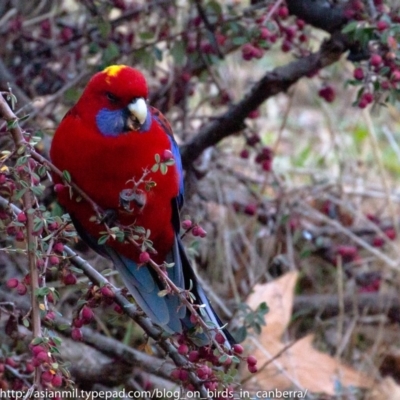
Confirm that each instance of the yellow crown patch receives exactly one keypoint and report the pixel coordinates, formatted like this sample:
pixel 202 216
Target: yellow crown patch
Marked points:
pixel 113 70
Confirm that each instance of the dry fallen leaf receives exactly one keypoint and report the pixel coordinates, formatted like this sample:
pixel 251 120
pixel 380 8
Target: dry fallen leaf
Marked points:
pixel 295 364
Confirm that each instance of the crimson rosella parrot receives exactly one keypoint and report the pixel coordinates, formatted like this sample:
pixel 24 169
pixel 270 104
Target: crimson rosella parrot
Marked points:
pixel 109 142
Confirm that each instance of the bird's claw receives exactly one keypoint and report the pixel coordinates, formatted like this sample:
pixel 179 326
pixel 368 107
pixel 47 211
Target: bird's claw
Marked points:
pixel 127 196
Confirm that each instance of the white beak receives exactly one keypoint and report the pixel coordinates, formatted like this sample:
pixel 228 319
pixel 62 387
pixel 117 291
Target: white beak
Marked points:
pixel 138 109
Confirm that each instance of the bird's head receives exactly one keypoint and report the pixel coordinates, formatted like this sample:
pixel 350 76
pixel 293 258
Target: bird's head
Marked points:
pixel 117 96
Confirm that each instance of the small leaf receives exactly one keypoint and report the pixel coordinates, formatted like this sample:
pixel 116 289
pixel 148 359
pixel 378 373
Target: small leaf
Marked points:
pixel 155 167
pixel 66 176
pixel 162 293
pixel 163 168
pixel 37 340
pixel 102 240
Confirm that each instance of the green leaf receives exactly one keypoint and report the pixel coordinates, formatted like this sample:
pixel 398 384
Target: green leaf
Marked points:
pixel 155 167
pixel 163 168
pixel 66 176
pixel 223 358
pixel 57 340
pixel 104 28
pixel 42 171
pixel 158 54
pixel 157 158
pixel 110 53
pixel 20 193
pixel 102 239
pixel 12 124
pixel 241 334
pixel 37 190
pixel 239 40
pixel 63 327
pixel 146 35
pixel 351 27
pixel 37 340
pixel 178 52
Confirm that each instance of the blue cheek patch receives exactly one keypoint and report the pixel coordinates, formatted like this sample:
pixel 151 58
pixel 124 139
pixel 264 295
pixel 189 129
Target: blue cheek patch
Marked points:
pixel 111 122
pixel 146 124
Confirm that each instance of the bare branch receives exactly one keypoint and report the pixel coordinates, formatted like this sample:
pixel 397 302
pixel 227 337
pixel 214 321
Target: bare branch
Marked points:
pixel 272 83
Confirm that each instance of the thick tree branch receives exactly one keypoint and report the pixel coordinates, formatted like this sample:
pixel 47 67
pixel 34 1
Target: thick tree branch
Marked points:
pixel 319 13
pixel 272 83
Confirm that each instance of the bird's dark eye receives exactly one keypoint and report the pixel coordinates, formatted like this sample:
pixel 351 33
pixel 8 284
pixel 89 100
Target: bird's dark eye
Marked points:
pixel 111 97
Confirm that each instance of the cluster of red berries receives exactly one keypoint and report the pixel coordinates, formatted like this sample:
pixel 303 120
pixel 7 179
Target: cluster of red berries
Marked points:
pixel 264 155
pixel 194 228
pixel 94 298
pixel 291 34
pixel 203 360
pixel 44 359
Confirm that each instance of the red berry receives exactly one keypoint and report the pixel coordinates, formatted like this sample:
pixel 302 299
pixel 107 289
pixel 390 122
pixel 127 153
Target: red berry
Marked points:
pixel 21 217
pixel 144 257
pixel 267 165
pixel 87 314
pixel 12 283
pixel 47 376
pixel 202 372
pixel 347 251
pixel 252 368
pixel 300 23
pixel 220 338
pixel 29 368
pixel 395 76
pixel 237 348
pixel 253 114
pixel 375 60
pixel 78 323
pixel 37 349
pixel 245 154
pixel 58 187
pixel 58 247
pixel 21 289
pixel 250 209
pixel 11 362
pixel 183 375
pixel 251 360
pixel 283 12
pixel 107 292
pixel 358 74
pixel 167 155
pixel 175 374
pixel 194 356
pixel 20 236
pixel 54 260
pixel 56 381
pixel 42 357
pixel 76 334
pixel 390 233
pixel 201 232
pixel 53 226
pixel 50 316
pixel 368 97
pixel 69 279
pixel 382 25
pixel 187 224
pixel 183 349
pixel 327 93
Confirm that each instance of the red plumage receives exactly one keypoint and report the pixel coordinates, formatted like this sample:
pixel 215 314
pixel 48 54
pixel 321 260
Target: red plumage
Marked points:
pixel 102 165
pixel 106 142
